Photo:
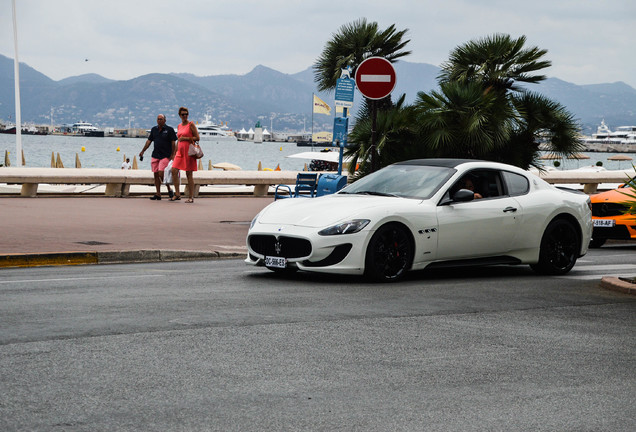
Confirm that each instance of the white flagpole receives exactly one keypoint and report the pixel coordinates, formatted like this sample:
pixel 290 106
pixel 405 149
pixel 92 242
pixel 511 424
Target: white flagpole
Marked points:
pixel 16 77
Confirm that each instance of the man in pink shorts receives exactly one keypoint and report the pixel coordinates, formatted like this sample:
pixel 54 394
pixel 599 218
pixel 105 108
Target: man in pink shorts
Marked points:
pixel 165 147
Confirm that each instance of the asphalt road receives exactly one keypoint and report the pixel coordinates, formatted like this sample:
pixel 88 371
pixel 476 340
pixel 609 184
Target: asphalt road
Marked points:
pixel 217 345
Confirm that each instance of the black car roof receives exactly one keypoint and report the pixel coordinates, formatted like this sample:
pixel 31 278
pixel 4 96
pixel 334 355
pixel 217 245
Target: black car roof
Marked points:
pixel 447 163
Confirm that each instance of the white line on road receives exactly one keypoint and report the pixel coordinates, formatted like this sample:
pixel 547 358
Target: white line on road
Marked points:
pixel 78 279
pixel 605 267
pixel 590 277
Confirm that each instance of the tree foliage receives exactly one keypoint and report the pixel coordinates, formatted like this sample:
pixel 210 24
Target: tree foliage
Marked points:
pixel 630 204
pixel 498 62
pixel 352 44
pixel 396 139
pixel 514 121
pixel 482 109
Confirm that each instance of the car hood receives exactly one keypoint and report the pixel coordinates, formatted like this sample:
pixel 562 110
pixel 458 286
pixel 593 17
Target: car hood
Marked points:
pixel 329 210
pixel 615 195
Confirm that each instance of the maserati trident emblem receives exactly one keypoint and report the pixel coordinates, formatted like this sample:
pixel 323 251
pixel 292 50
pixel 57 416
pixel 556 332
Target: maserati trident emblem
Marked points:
pixel 277 247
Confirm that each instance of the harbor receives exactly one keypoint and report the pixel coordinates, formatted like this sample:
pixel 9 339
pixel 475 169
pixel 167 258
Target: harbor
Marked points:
pixel 109 152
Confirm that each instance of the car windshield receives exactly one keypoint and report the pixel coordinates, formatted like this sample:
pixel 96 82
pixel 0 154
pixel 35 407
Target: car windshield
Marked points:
pixel 405 181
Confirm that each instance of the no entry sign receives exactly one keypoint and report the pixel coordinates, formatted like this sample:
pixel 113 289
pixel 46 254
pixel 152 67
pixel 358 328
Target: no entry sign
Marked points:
pixel 375 78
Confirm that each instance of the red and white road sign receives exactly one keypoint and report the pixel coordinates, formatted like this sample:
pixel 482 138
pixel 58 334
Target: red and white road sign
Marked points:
pixel 375 78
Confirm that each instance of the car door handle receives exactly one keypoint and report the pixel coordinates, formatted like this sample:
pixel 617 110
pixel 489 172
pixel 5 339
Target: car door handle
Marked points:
pixel 510 209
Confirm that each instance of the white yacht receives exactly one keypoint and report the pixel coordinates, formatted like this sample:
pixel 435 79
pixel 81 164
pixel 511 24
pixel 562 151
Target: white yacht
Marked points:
pixel 82 128
pixel 622 135
pixel 209 131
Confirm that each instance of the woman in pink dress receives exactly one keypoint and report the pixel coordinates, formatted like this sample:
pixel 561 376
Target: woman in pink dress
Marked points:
pixel 187 133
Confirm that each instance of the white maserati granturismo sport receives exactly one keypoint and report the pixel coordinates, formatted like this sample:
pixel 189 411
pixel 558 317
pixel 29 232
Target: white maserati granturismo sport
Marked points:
pixel 422 214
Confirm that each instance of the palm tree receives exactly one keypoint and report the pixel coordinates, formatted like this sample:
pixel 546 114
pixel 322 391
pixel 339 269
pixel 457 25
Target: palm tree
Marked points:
pixel 397 140
pixel 497 61
pixel 539 119
pixel 462 121
pixel 481 111
pixel 630 205
pixel 350 46
pixel 354 43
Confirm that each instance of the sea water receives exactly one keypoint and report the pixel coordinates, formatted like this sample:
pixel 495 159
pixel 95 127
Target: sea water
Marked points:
pixel 108 152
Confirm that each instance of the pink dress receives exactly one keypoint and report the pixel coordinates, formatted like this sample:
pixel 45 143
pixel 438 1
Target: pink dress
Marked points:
pixel 181 159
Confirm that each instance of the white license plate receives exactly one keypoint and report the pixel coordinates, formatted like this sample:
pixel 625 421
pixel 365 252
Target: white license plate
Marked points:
pixel 604 223
pixel 275 262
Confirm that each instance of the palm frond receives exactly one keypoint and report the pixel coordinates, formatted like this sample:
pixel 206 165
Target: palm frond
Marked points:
pixel 352 44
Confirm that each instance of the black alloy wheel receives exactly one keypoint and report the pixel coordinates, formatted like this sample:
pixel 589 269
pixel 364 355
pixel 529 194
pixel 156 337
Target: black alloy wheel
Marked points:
pixel 389 254
pixel 559 248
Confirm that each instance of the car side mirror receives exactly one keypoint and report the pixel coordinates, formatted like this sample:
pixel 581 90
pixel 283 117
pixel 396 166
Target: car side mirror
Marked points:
pixel 464 195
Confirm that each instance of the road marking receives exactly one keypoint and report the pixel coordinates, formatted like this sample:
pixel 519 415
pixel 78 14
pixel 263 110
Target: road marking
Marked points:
pixel 78 279
pixel 605 267
pixel 375 78
pixel 590 277
pixel 597 272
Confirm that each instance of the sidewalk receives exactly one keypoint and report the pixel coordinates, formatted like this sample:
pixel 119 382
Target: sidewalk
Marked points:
pixel 85 230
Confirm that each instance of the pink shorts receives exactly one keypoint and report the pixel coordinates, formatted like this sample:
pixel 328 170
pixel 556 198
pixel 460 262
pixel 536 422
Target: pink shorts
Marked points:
pixel 159 164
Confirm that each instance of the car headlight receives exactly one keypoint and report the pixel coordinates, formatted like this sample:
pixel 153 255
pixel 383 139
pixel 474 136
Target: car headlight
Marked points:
pixel 349 227
pixel 254 221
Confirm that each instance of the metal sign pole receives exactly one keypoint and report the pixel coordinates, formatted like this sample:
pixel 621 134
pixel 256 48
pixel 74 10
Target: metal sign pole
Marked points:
pixel 374 116
pixel 16 77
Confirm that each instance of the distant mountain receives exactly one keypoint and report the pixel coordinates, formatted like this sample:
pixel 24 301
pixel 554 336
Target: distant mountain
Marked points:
pixel 32 84
pixel 616 102
pixel 86 78
pixel 263 89
pixel 413 78
pixel 274 98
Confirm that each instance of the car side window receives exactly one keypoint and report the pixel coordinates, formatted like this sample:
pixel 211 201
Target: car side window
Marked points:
pixel 516 183
pixel 485 184
pixel 491 184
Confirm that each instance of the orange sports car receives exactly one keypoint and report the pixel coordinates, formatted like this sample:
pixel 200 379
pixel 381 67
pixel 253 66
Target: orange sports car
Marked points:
pixel 608 216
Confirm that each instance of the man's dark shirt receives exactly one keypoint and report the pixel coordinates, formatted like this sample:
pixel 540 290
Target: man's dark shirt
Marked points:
pixel 163 141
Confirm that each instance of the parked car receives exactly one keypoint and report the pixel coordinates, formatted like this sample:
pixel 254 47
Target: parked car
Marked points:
pixel 419 214
pixel 609 218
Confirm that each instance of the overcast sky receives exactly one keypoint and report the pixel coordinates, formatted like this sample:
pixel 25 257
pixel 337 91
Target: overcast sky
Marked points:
pixel 588 41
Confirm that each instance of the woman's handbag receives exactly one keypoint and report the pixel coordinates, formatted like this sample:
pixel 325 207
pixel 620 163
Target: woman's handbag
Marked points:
pixel 195 151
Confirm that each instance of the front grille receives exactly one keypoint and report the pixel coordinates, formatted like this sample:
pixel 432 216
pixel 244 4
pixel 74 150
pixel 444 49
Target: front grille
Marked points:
pixel 287 247
pixel 607 209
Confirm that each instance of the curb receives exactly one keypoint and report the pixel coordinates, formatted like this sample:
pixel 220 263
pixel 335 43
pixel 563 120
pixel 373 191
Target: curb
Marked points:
pixel 113 257
pixel 49 259
pixel 618 284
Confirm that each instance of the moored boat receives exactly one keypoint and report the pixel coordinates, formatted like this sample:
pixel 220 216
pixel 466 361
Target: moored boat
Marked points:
pixel 82 128
pixel 25 131
pixel 622 135
pixel 209 131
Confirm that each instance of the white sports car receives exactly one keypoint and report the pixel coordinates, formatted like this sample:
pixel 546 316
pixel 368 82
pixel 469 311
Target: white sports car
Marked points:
pixel 422 214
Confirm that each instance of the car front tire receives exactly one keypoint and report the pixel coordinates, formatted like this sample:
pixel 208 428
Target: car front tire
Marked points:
pixel 389 254
pixel 559 248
